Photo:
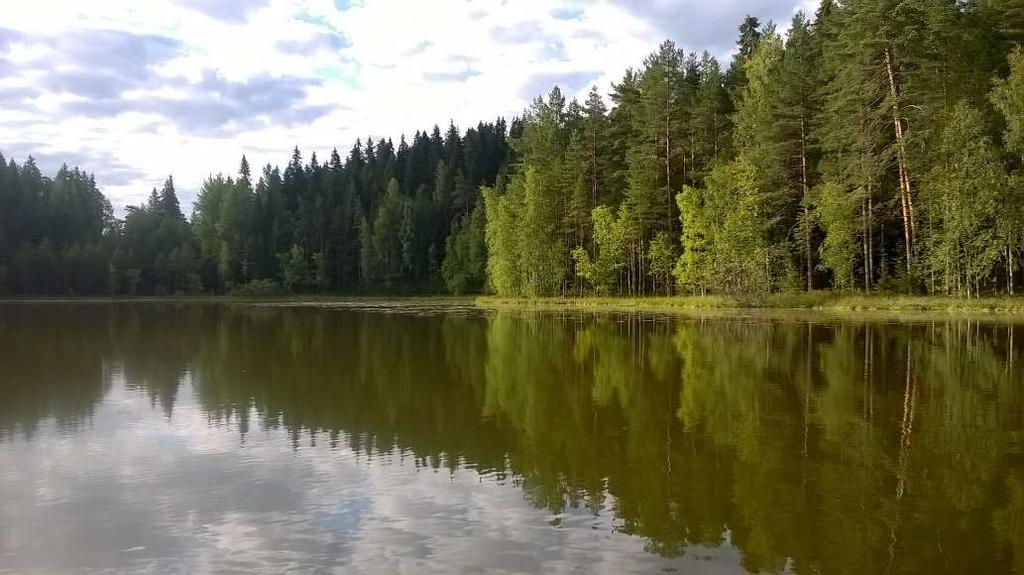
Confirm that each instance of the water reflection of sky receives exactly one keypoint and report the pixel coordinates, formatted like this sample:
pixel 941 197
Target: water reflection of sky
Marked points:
pixel 133 488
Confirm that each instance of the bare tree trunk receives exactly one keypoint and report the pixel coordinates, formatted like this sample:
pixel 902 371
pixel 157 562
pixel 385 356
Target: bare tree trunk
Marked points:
pixel 693 159
pixel 906 197
pixel 1008 280
pixel 593 174
pixel 683 172
pixel 1009 270
pixel 641 271
pixel 668 170
pixel 632 268
pixel 807 207
pixel 864 243
pixel 881 245
pixel 871 240
pixel 714 131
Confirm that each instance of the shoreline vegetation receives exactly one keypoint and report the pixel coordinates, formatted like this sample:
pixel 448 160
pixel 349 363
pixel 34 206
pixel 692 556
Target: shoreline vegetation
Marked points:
pixel 813 302
pixel 850 305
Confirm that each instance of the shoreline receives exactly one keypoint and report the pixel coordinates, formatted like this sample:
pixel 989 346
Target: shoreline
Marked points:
pixel 844 305
pixel 848 306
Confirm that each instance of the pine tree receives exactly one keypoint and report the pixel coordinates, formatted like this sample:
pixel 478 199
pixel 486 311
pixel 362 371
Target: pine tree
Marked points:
pixel 659 123
pixel 595 150
pixel 798 108
pixel 746 44
pixel 851 127
pixel 709 123
pixel 167 203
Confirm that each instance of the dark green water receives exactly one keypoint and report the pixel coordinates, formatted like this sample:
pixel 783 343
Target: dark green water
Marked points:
pixel 227 438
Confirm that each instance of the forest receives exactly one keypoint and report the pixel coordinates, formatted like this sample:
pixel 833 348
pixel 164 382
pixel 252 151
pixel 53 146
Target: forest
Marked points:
pixel 876 145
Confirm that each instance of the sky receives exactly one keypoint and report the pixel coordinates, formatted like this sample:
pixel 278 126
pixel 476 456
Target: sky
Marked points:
pixel 136 91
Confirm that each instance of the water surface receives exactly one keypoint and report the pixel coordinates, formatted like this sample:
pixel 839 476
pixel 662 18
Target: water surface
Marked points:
pixel 189 437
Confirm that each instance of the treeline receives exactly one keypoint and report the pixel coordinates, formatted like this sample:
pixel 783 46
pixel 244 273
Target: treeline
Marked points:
pixel 878 146
pixel 382 219
pixel 55 234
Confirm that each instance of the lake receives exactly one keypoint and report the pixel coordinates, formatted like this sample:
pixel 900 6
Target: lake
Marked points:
pixel 372 438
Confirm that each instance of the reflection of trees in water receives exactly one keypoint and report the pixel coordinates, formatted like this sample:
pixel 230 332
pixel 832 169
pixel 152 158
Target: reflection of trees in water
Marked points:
pixel 888 456
pixel 56 360
pixel 156 344
pixel 829 448
pixel 52 364
pixel 384 381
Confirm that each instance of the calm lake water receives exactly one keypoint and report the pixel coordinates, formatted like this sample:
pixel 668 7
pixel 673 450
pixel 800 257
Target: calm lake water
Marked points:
pixel 195 437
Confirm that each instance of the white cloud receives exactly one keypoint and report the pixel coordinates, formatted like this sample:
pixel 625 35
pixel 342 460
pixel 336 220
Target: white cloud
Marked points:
pixel 185 88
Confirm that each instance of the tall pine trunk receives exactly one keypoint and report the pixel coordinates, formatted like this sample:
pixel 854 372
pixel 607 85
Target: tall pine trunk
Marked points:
pixel 669 224
pixel 906 196
pixel 806 202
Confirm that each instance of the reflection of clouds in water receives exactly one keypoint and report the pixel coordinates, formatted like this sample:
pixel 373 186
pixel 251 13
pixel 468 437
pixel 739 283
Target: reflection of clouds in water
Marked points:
pixel 138 490
pixel 135 490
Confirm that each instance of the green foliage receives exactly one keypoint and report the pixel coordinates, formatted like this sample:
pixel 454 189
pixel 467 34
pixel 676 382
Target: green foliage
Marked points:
pixel 524 255
pixel 258 288
pixel 321 280
pixel 750 36
pixel 966 197
pixel 1008 97
pixel 157 248
pixel 531 224
pixel 542 258
pixel 692 270
pixel 295 269
pixel 661 256
pixel 730 251
pixel 602 272
pixel 240 225
pixel 836 212
pixel 388 250
pixel 502 236
pixel 220 221
pixel 756 136
pixel 465 262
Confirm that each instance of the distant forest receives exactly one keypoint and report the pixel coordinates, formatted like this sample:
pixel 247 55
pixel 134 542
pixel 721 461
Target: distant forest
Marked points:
pixel 878 146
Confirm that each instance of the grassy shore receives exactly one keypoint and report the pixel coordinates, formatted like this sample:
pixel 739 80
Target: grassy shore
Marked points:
pixel 818 301
pixel 837 303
